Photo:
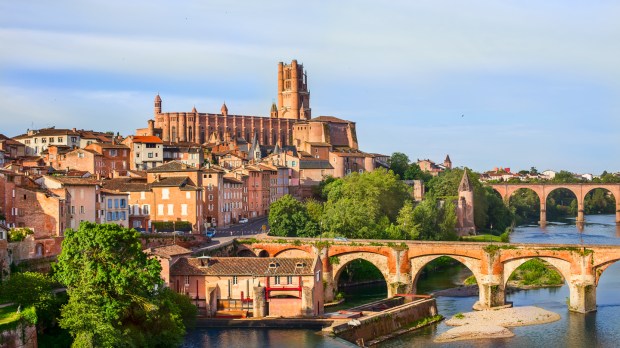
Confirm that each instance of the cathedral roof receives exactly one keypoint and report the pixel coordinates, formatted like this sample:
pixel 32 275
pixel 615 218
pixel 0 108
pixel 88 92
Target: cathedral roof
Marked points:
pixel 447 159
pixel 331 119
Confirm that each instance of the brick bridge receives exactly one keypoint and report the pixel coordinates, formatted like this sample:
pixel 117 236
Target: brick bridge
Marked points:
pixel 401 263
pixel 543 190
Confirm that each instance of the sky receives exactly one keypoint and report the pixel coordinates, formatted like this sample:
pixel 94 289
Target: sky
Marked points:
pixel 491 83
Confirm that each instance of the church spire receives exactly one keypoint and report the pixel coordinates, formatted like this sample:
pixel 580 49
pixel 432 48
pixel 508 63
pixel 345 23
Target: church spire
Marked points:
pixel 465 184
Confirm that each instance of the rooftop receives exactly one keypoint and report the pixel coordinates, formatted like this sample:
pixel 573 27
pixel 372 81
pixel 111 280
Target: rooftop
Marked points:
pixel 247 266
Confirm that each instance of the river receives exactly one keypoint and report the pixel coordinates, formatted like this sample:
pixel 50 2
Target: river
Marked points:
pixel 598 329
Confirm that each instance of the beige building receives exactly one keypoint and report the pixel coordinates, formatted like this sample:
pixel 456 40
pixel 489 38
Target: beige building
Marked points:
pixel 85 197
pixel 146 151
pixel 251 286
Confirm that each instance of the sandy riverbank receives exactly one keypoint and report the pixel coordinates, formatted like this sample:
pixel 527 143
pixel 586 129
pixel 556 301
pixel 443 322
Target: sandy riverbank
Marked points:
pixel 494 323
pixel 472 290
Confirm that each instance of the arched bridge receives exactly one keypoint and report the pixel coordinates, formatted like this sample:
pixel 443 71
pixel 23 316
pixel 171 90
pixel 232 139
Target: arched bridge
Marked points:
pixel 543 190
pixel 401 263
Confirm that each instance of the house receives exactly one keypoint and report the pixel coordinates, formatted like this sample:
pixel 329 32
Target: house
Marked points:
pixel 146 151
pixel 251 286
pixel 84 193
pixel 167 256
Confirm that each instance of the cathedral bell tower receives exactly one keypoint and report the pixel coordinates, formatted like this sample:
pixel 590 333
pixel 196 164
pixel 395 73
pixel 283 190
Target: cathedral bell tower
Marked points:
pixel 293 94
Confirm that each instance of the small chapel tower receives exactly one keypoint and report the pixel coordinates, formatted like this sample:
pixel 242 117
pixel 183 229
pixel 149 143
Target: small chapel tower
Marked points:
pixel 465 208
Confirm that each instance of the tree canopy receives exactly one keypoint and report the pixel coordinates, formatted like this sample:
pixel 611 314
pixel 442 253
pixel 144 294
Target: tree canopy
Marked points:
pixel 115 291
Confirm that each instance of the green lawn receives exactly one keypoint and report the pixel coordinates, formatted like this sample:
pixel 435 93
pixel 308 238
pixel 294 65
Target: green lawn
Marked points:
pixel 8 315
pixel 483 238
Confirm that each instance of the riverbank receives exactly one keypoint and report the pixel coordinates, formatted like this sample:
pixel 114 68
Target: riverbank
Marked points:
pixel 472 290
pixel 494 323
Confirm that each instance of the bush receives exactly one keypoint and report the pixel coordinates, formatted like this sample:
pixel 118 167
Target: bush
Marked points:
pixel 19 234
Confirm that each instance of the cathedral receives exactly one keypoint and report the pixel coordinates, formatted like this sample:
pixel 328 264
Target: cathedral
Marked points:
pixel 197 127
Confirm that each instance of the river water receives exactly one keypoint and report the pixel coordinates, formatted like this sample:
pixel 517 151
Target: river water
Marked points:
pixel 598 329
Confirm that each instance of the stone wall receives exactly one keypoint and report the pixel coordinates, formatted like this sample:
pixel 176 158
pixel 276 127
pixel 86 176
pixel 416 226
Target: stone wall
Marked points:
pixel 386 322
pixel 21 337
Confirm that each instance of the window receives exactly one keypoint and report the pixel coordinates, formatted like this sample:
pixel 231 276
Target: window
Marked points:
pixel 165 193
pixel 109 216
pixel 123 203
pixel 235 280
pixel 109 204
pixel 150 155
pixel 289 280
pixel 116 203
pixel 73 139
pixel 146 209
pixel 44 140
pixel 81 209
pixel 51 139
pixel 80 155
pixel 72 210
pixel 142 195
pixel 186 280
pixel 113 153
pixel 184 209
pixel 318 276
pixel 160 209
pixel 60 139
pixel 123 215
pixel 210 197
pixel 276 280
pixel 188 195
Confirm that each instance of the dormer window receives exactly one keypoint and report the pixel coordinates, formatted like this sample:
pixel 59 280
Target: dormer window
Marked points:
pixel 273 265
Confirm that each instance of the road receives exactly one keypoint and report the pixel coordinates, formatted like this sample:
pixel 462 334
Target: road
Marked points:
pixel 225 235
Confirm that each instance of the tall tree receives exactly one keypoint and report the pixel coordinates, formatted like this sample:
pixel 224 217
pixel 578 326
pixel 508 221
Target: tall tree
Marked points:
pixel 289 217
pixel 115 290
pixel 399 162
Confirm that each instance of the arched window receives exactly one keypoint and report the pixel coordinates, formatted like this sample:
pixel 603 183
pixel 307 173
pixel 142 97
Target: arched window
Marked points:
pixel 190 134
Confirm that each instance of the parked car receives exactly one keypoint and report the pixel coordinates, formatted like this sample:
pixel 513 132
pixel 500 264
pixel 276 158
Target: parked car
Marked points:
pixel 211 232
pixel 340 239
pixel 243 220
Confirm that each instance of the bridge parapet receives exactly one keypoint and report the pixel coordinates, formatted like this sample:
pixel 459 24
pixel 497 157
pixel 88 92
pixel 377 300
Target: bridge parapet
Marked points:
pixel 580 190
pixel 401 262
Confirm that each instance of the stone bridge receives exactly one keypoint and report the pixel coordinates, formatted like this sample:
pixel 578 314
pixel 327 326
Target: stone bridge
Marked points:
pixel 401 263
pixel 543 190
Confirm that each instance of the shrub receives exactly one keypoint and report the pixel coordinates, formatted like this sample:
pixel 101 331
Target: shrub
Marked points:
pixel 19 234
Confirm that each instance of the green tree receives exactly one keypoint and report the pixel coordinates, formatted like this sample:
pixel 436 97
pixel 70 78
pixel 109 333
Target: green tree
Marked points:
pixel 364 205
pixel 289 217
pixel 399 162
pixel 115 290
pixel 414 172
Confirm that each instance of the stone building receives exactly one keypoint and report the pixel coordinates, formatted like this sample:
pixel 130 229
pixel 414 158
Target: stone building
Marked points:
pixel 85 197
pixel 251 286
pixel 197 127
pixel 434 168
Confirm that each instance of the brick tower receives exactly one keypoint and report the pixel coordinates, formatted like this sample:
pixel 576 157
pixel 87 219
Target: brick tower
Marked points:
pixel 465 208
pixel 293 94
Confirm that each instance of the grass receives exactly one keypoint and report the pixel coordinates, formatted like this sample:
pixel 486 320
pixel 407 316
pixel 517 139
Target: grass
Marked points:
pixel 538 273
pixel 9 314
pixel 471 280
pixel 482 238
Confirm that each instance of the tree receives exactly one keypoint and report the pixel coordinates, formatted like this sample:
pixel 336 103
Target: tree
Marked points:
pixel 399 162
pixel 414 172
pixel 289 217
pixel 115 291
pixel 364 205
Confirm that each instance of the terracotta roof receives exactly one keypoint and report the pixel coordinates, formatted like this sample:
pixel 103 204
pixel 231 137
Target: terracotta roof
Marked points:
pixel 248 266
pixel 315 164
pixel 174 181
pixel 233 180
pixel 108 146
pixel 47 132
pixel 331 119
pixel 168 251
pixel 126 185
pixel 146 139
pixel 75 181
pixel 173 166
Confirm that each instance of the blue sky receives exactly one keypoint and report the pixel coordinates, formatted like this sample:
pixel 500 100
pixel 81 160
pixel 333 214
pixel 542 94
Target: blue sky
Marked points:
pixel 492 83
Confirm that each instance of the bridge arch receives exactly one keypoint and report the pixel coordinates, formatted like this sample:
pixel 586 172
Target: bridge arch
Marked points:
pixel 246 253
pixel 293 252
pixel 561 265
pixel 418 264
pixel 340 261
